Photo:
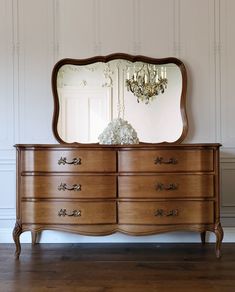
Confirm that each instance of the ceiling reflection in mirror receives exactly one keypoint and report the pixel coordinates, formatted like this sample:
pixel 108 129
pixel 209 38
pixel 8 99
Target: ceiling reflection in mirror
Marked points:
pixel 148 96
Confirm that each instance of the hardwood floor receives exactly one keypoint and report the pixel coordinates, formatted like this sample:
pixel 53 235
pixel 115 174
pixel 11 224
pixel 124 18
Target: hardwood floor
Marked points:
pixel 117 267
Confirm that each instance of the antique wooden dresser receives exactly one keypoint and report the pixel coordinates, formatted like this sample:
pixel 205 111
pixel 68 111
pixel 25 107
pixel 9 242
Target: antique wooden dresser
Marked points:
pixel 98 190
pixel 159 185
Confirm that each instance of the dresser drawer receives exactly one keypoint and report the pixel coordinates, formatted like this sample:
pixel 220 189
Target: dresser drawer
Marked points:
pixel 165 160
pixel 166 186
pixel 168 212
pixel 68 186
pixel 43 212
pixel 72 161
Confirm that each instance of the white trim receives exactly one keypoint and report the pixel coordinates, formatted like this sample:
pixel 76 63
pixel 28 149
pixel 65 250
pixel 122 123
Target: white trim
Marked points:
pixel 7 161
pixel 7 214
pixel 62 237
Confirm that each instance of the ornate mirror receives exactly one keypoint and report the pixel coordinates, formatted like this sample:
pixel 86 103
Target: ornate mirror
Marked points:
pixel 148 93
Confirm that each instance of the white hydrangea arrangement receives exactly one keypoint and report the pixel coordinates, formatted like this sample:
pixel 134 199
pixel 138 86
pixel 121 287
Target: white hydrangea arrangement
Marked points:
pixel 118 131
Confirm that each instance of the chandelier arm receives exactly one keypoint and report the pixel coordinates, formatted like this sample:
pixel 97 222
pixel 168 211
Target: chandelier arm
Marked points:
pixel 154 74
pixel 140 69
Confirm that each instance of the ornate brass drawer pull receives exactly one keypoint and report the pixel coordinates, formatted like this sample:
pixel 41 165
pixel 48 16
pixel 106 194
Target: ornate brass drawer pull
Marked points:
pixel 74 213
pixel 160 160
pixel 161 213
pixel 75 187
pixel 162 187
pixel 75 161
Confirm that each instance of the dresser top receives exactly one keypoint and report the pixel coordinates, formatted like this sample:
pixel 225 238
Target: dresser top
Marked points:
pixel 97 146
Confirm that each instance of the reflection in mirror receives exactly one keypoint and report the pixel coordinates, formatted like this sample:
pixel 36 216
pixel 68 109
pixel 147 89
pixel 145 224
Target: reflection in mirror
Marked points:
pixel 148 96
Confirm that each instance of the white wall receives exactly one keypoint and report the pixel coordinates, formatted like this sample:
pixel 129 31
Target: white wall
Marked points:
pixel 35 34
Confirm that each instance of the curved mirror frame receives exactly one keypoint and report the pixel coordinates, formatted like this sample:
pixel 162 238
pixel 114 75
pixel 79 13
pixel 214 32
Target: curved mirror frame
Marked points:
pixel 130 58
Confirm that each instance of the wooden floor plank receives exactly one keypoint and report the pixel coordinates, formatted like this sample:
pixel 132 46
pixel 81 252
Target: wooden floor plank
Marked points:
pixel 117 267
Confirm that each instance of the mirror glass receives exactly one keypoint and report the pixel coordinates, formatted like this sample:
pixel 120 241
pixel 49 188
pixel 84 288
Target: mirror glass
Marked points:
pixel 147 95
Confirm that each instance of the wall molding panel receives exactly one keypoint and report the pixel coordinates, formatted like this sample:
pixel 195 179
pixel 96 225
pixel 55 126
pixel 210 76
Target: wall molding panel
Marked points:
pixel 136 24
pixel 36 34
pixel 36 60
pixel 7 214
pixel 96 25
pixel 227 62
pixel 76 28
pixel 8 186
pixel 176 40
pixel 197 43
pixel 156 28
pixel 7 49
pixel 227 192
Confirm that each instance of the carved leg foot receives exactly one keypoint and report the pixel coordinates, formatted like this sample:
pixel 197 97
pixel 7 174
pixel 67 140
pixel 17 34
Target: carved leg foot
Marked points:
pixel 203 237
pixel 219 237
pixel 34 237
pixel 16 237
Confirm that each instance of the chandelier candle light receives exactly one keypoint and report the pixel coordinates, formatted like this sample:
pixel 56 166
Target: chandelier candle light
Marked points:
pixel 147 82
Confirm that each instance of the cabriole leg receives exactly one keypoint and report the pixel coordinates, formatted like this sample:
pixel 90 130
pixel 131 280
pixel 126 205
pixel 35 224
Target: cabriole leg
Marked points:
pixel 219 237
pixel 34 237
pixel 16 237
pixel 203 237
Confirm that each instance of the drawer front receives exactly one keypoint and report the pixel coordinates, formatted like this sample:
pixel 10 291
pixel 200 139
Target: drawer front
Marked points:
pixel 68 212
pixel 176 212
pixel 165 160
pixel 166 186
pixel 72 161
pixel 68 186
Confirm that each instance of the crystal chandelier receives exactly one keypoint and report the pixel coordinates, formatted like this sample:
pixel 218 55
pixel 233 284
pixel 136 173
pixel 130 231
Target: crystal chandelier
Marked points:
pixel 147 82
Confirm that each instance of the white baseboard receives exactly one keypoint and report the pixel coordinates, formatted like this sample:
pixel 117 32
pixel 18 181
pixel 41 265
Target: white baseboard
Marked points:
pixel 64 237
